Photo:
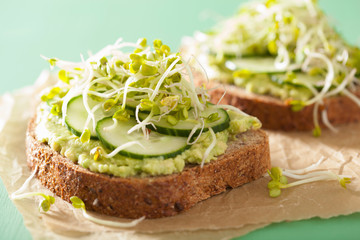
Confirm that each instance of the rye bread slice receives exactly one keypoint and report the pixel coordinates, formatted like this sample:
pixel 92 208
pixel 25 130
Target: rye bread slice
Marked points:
pixel 245 160
pixel 277 115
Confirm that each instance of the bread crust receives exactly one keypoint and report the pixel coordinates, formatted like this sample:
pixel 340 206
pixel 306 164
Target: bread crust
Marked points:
pixel 277 115
pixel 245 160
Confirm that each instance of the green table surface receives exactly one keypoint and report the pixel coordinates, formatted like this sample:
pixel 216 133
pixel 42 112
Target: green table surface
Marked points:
pixel 64 29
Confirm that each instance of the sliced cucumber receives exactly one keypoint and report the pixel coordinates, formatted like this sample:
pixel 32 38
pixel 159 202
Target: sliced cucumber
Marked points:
pixel 76 115
pixel 232 50
pixel 131 104
pixel 232 55
pixel 301 80
pixel 254 65
pixel 158 145
pixel 184 127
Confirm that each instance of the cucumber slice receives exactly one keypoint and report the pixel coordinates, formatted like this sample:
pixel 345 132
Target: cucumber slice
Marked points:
pixel 158 145
pixel 254 65
pixel 301 80
pixel 232 55
pixel 131 104
pixel 76 115
pixel 183 127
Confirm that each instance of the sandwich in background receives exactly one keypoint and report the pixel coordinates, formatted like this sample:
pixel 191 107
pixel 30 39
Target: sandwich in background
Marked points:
pixel 282 61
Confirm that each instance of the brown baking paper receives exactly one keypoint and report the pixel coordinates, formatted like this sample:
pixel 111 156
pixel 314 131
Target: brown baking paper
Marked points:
pixel 233 213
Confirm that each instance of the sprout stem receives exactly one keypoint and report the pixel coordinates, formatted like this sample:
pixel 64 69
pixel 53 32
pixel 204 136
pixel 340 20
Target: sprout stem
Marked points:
pixel 279 178
pixel 211 147
pixel 111 223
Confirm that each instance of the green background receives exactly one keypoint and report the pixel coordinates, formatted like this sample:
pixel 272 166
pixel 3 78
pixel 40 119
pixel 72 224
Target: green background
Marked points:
pixel 64 29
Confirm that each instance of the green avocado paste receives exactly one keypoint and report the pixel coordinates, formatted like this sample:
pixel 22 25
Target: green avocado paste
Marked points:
pixel 50 130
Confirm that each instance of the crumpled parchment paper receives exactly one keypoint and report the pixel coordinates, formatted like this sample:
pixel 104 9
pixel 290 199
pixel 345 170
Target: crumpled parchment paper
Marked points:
pixel 233 213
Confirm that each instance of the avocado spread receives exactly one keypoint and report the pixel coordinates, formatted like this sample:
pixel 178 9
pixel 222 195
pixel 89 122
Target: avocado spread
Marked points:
pixel 274 85
pixel 50 130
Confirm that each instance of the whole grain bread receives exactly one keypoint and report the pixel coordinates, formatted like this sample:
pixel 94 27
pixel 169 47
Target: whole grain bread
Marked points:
pixel 277 114
pixel 246 159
